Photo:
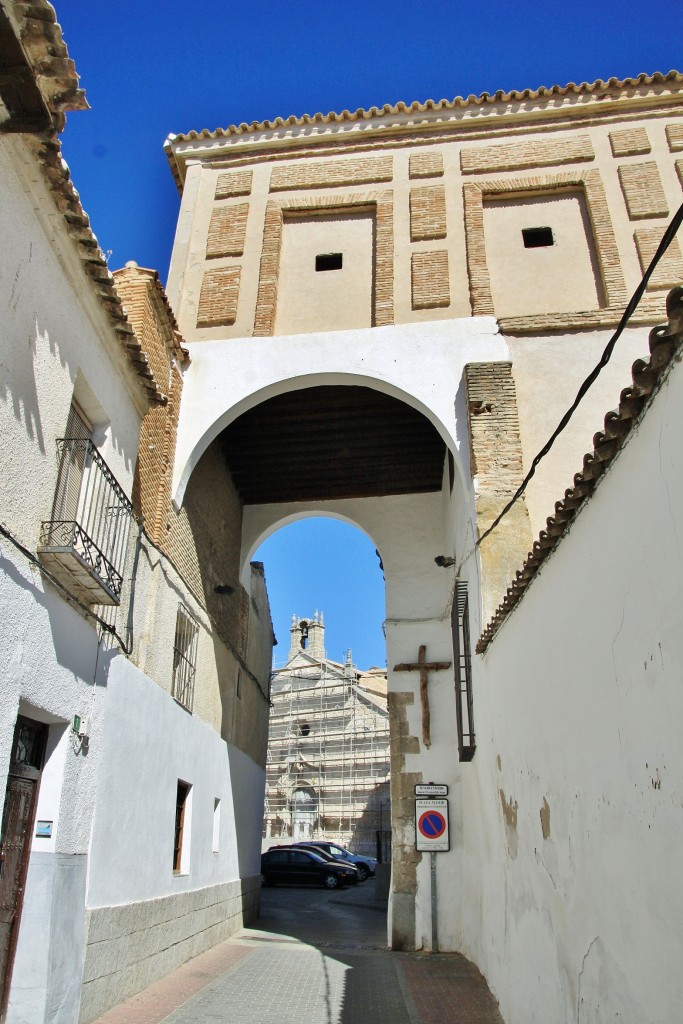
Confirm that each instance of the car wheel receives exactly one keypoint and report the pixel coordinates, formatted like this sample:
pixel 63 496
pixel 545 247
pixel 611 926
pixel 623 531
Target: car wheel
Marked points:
pixel 330 881
pixel 363 872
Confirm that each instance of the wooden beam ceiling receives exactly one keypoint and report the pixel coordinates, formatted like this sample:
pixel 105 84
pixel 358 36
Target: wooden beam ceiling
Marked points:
pixel 332 442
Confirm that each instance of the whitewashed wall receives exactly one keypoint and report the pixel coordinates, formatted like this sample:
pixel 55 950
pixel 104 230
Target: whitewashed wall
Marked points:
pixel 579 707
pixel 54 332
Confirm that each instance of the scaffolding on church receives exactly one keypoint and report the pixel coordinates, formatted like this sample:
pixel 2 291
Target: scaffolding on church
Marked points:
pixel 327 770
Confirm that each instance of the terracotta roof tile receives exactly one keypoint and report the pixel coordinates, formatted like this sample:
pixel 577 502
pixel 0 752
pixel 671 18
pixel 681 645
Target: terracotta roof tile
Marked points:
pixel 418 107
pixel 665 340
pixel 36 27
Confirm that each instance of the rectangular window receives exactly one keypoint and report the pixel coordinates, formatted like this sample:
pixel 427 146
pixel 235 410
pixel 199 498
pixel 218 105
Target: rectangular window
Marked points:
pixel 536 238
pixel 463 672
pixel 184 656
pixel 180 858
pixel 329 261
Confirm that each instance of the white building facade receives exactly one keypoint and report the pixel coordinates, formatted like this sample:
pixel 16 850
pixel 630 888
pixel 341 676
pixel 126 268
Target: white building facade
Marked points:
pixel 132 792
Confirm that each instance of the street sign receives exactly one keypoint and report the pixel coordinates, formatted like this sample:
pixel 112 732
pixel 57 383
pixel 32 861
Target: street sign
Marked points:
pixel 431 789
pixel 431 825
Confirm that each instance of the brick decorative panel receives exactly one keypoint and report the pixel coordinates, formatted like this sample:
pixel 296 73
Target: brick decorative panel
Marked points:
pixel 427 212
pixel 628 141
pixel 383 203
pixel 236 183
pixel 643 192
pixel 496 462
pixel 218 297
pixel 674 135
pixel 426 165
pixel 331 173
pixel 227 231
pixel 669 271
pixel 679 168
pixel 429 280
pixel 605 241
pixel 526 153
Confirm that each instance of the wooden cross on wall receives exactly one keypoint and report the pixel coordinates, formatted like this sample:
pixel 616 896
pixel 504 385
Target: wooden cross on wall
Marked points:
pixel 424 668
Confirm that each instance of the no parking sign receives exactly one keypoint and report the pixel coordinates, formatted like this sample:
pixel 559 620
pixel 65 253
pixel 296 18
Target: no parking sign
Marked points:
pixel 431 825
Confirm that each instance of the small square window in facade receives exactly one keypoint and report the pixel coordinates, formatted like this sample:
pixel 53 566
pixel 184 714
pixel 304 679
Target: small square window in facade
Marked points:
pixel 537 238
pixel 184 657
pixel 464 705
pixel 329 261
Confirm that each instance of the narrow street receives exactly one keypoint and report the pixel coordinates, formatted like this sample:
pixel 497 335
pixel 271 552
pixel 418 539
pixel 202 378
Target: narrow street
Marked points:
pixel 314 957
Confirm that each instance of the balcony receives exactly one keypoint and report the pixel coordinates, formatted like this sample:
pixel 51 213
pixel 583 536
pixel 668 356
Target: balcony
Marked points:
pixel 84 543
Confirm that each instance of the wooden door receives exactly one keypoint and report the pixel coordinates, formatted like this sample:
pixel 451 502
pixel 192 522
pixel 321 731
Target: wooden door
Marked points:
pixel 18 819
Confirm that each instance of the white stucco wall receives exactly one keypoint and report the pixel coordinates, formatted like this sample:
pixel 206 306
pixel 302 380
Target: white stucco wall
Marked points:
pixel 548 372
pixel 54 332
pixel 151 743
pixel 578 705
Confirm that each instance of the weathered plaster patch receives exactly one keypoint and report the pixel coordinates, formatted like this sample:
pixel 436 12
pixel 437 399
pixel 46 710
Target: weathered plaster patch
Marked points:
pixel 510 817
pixel 545 819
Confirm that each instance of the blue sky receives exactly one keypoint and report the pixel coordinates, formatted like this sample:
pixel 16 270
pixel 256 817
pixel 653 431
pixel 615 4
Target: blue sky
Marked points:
pixel 150 69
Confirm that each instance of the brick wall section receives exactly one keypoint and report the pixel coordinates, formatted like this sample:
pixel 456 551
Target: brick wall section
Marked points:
pixel 150 317
pixel 628 141
pixel 203 539
pixel 643 192
pixel 331 173
pixel 526 153
pixel 384 260
pixel 269 270
pixel 590 182
pixel 218 297
pixel 496 463
pixel 674 135
pixel 227 231
pixel 426 165
pixel 235 183
pixel 669 271
pixel 429 279
pixel 427 212
pixel 383 202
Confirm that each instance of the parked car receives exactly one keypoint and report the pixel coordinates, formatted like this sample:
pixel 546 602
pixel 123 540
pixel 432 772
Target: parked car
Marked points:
pixel 330 857
pixel 366 865
pixel 303 867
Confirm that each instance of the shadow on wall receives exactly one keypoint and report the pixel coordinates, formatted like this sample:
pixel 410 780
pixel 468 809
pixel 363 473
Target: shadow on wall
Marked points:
pixel 372 830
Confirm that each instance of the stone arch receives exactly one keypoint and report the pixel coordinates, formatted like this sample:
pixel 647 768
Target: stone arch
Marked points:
pixel 196 437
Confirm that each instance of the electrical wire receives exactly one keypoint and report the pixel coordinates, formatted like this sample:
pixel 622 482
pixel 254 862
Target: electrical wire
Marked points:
pixel 105 626
pixel 667 238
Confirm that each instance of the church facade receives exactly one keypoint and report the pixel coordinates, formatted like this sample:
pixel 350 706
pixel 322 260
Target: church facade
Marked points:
pixel 378 316
pixel 328 766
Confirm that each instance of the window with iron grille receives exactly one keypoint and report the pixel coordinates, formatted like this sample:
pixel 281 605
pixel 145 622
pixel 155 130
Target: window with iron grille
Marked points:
pixel 184 656
pixel 84 543
pixel 463 672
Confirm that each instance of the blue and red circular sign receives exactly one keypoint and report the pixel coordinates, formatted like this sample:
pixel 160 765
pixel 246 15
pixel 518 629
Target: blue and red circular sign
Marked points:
pixel 431 824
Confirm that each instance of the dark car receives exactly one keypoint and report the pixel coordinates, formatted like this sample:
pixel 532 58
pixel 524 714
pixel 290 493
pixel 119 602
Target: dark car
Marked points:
pixel 303 867
pixel 358 875
pixel 366 865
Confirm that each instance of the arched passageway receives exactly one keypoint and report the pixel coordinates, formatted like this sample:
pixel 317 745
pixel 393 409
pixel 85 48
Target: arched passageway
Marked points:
pixel 354 453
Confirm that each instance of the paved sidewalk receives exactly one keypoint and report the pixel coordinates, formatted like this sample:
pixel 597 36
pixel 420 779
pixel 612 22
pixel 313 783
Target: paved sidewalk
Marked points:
pixel 314 958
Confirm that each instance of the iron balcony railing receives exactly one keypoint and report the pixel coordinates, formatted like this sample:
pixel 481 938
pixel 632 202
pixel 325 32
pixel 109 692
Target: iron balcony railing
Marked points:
pixel 86 539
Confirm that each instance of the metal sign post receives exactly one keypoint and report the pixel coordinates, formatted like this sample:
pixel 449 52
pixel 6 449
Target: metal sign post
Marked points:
pixel 432 836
